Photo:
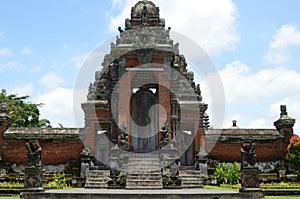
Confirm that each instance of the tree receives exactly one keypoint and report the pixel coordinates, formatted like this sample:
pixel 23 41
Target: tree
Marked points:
pixel 293 156
pixel 23 112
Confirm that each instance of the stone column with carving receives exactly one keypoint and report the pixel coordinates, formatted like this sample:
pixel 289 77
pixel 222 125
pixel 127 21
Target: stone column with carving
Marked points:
pixel 170 166
pixel 34 170
pixel 250 173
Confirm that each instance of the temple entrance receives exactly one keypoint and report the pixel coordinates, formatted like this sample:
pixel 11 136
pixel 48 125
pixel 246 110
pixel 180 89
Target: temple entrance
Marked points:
pixel 144 120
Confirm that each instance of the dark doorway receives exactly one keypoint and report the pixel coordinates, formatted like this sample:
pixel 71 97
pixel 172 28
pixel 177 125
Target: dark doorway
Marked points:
pixel 186 140
pixel 144 125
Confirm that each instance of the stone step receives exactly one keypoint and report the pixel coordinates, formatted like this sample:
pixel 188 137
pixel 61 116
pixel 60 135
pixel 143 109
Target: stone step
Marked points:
pixel 143 155
pixel 130 185
pixel 144 180
pixel 190 172
pixel 190 178
pixel 136 164
pixel 144 187
pixel 96 185
pixel 153 179
pixel 144 172
pixel 98 171
pixel 97 179
pixel 191 182
pixel 144 166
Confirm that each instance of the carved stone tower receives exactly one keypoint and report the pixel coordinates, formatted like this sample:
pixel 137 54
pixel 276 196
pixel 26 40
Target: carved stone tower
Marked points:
pixel 144 97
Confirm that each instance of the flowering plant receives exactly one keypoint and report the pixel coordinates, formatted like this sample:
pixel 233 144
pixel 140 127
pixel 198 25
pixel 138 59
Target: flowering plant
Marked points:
pixel 293 156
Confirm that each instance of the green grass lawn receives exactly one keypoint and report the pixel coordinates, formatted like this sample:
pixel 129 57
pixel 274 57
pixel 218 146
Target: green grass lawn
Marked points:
pixel 9 197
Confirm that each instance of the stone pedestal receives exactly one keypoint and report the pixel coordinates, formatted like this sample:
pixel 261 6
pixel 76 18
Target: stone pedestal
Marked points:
pixel 250 178
pixel 250 183
pixel 34 179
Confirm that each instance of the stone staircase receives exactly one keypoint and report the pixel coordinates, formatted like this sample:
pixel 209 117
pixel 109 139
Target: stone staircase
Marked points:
pixel 190 178
pixel 97 179
pixel 144 172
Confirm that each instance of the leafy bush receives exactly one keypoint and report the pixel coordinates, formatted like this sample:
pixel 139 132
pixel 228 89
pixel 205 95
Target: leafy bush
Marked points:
pixel 11 185
pixel 293 156
pixel 60 181
pixel 281 185
pixel 230 175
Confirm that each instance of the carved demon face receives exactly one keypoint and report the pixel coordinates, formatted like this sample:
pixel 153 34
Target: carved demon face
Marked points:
pixel 246 145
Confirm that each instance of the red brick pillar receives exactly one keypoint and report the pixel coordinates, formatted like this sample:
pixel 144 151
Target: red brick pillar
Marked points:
pixel 284 125
pixel 97 117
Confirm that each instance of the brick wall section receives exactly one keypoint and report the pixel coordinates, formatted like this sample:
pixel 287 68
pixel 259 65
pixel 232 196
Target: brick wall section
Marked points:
pixel 230 151
pixel 59 146
pixel 53 153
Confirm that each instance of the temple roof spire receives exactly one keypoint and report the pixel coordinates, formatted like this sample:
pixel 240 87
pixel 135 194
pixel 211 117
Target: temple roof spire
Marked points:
pixel 144 14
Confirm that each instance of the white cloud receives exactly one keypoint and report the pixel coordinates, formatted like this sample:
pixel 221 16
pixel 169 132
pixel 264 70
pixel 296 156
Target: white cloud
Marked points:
pixel 26 50
pixel 65 46
pixel 249 94
pixel 5 52
pixel 11 65
pixel 285 37
pixel 258 123
pixel 293 109
pixel 212 24
pixel 51 80
pixel 79 60
pixel 22 90
pixel 242 84
pixel 58 106
pixel 35 69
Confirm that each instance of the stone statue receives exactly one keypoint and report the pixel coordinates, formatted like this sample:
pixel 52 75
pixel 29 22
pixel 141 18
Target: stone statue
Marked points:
pixel 127 24
pixel 198 92
pixel 248 154
pixel 145 19
pixel 91 95
pixel 162 22
pixel 164 134
pixel 34 150
pixel 121 32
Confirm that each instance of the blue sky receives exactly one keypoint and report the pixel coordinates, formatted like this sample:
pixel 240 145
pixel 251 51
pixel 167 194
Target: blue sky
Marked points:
pixel 254 45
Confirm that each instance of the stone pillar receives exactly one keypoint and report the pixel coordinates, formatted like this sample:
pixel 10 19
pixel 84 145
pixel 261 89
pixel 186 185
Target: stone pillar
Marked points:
pixel 284 126
pixel 34 170
pixel 250 173
pixel 34 179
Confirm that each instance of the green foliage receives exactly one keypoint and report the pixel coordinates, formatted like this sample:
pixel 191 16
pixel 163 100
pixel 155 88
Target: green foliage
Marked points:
pixel 281 185
pixel 23 112
pixel 60 182
pixel 11 185
pixel 226 175
pixel 293 156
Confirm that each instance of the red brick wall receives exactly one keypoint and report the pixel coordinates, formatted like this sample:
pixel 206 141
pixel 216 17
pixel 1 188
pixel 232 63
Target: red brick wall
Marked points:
pixel 230 151
pixel 53 153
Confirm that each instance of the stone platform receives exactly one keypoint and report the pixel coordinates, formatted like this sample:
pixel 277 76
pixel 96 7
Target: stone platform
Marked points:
pixel 137 194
